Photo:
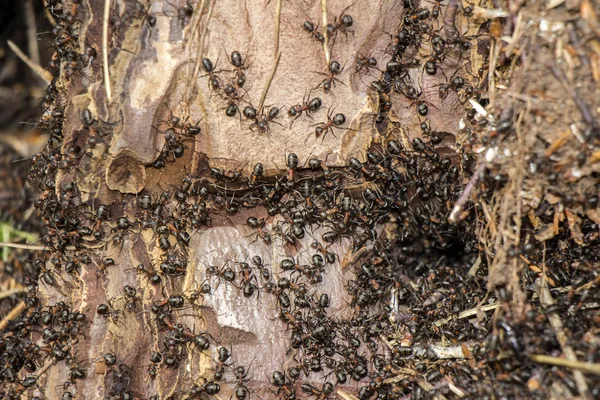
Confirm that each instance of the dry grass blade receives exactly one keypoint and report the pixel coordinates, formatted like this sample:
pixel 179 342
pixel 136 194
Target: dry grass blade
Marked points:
pixel 325 33
pixel 32 44
pixel 546 300
pixel 105 49
pixel 10 292
pixel 15 312
pixel 45 75
pixel 277 27
pixel 561 362
pixel 468 313
pixel 346 396
pixel 268 84
pixel 23 246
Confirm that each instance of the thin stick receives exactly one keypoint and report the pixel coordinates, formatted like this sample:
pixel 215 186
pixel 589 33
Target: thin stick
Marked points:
pixel 277 27
pixel 492 72
pixel 45 75
pixel 346 396
pixel 195 23
pixel 10 292
pixel 428 387
pixel 45 367
pixel 468 313
pixel 12 315
pixel 32 44
pixel 48 13
pixel 561 362
pixel 456 390
pixel 199 51
pixel 464 197
pixel 557 326
pixel 23 246
pixel 105 49
pixel 325 33
pixel 266 89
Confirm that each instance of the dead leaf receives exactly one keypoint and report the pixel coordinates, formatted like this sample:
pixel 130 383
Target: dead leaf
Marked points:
pixel 552 198
pixel 544 233
pixel 594 215
pixel 574 222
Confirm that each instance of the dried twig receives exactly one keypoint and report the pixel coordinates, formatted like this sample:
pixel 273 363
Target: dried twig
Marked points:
pixel 464 197
pixel 268 84
pixel 456 390
pixel 48 364
pixel 12 315
pixel 105 49
pixel 32 44
pixel 10 292
pixel 45 75
pixel 468 313
pixel 561 362
pixel 325 33
pixel 199 50
pixel 48 13
pixel 346 396
pixel 546 300
pixel 428 387
pixel 277 27
pixel 23 246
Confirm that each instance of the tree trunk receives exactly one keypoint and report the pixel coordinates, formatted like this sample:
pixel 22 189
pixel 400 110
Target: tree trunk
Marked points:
pixel 184 145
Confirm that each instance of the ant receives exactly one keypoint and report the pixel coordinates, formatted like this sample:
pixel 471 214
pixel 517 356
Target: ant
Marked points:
pixel 184 12
pixel 240 66
pixel 334 69
pixel 246 280
pixel 292 164
pixel 340 24
pixel 261 120
pixel 241 376
pixel 324 127
pixel 364 64
pixel 258 225
pixel 320 393
pixel 131 297
pixel 309 27
pixel 456 83
pixel 213 80
pixel 264 271
pixel 225 273
pixel 308 107
pixel 108 312
pixel 152 276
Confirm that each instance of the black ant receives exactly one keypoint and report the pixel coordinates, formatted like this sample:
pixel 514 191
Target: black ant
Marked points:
pixel 258 225
pixel 309 107
pixel 241 376
pixel 247 277
pixel 225 273
pixel 240 66
pixel 323 128
pixel 341 24
pixel 364 64
pixel 213 80
pixel 264 271
pixel 309 27
pixel 334 69
pixel 184 12
pixel 108 312
pixel 261 120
